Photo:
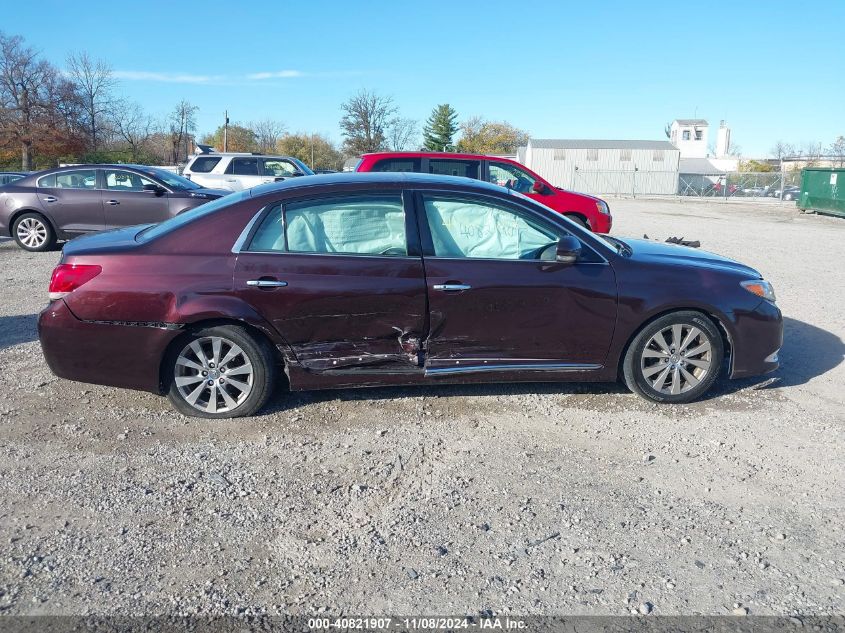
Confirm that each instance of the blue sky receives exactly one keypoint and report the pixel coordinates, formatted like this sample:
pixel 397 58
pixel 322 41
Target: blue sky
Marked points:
pixel 773 69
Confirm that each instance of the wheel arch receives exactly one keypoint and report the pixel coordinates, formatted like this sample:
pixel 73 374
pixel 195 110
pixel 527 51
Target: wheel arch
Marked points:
pixel 19 212
pixel 708 314
pixel 257 331
pixel 578 215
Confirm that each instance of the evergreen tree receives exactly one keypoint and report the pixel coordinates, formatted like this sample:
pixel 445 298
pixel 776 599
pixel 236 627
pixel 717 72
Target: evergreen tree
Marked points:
pixel 440 128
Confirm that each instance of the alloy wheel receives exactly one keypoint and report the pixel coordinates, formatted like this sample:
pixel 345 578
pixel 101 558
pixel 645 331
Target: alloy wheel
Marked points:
pixel 32 233
pixel 676 359
pixel 213 374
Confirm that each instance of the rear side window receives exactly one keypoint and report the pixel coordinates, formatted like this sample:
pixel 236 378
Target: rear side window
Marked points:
pixel 204 164
pixel 397 164
pixel 243 167
pixel 82 179
pixel 350 225
pixel 465 168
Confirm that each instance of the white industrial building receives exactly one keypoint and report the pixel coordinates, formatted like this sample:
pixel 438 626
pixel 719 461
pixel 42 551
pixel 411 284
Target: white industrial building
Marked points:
pixel 605 167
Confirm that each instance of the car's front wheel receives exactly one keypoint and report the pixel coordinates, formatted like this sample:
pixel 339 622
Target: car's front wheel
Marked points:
pixel 220 372
pixel 674 359
pixel 33 232
pixel 578 220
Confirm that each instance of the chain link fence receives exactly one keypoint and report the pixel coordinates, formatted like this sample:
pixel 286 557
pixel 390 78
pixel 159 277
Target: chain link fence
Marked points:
pixel 771 186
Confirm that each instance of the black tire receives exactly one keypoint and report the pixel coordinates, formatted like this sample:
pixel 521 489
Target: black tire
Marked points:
pixel 33 232
pixel 639 360
pixel 578 220
pixel 255 352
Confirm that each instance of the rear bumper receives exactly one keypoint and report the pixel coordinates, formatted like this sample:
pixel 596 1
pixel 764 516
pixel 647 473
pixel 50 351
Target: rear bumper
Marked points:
pixel 117 355
pixel 756 341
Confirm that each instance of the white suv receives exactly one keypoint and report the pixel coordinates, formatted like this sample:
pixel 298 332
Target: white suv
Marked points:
pixel 236 171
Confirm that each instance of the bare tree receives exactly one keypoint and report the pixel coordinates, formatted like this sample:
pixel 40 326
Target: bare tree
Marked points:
pixel 402 134
pixel 810 151
pixel 837 151
pixel 182 124
pixel 27 85
pixel 267 134
pixel 782 150
pixel 95 82
pixel 133 126
pixel 367 117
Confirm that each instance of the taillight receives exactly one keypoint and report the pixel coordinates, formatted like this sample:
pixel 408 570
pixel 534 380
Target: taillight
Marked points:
pixel 68 277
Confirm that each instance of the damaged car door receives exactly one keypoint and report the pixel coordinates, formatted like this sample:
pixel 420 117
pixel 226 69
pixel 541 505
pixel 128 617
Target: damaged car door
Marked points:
pixel 341 279
pixel 500 300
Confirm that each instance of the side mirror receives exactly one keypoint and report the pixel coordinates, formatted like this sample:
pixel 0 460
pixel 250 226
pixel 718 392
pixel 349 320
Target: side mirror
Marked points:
pixel 297 173
pixel 540 188
pixel 568 250
pixel 156 189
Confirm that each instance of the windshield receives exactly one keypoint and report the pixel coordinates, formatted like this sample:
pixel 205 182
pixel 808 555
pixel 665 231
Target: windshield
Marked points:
pixel 162 228
pixel 174 181
pixel 610 242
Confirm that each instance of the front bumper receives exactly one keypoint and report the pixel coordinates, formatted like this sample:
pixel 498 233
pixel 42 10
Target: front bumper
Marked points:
pixel 601 223
pixel 117 355
pixel 756 341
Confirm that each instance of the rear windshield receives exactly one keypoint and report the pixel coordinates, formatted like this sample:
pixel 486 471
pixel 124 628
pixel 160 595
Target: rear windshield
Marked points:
pixel 186 217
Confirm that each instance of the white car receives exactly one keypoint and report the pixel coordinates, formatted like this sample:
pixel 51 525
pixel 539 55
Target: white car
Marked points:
pixel 237 171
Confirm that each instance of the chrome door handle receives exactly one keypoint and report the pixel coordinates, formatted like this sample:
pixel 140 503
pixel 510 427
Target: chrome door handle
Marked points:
pixel 231 180
pixel 266 283
pixel 50 198
pixel 112 202
pixel 451 287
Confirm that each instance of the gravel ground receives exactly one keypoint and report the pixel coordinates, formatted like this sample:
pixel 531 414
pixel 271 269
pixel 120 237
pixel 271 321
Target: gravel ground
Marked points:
pixel 547 499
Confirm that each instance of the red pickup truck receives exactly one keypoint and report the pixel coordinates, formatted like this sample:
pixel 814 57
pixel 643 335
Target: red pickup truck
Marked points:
pixel 588 211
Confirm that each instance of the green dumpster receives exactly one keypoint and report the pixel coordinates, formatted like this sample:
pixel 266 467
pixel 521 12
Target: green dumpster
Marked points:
pixel 823 190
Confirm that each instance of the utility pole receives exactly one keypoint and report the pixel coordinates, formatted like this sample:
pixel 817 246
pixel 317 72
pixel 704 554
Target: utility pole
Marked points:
pixel 226 131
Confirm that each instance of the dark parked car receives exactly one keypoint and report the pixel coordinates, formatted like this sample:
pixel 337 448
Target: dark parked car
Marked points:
pixel 353 280
pixel 7 177
pixel 62 203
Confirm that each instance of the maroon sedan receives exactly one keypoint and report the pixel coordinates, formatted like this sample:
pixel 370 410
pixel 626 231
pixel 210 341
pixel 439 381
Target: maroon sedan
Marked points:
pixel 354 280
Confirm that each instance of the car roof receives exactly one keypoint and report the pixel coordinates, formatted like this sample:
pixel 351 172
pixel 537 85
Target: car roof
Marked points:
pixel 31 178
pixel 240 155
pixel 392 179
pixel 436 155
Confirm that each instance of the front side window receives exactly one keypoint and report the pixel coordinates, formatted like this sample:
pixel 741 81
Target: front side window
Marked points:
pixel 81 179
pixel 118 180
pixel 397 164
pixel 352 225
pixel 480 229
pixel 512 177
pixel 243 167
pixel 465 168
pixel 279 168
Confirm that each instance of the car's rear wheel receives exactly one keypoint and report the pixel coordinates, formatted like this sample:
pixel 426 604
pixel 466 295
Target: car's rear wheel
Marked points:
pixel 674 359
pixel 33 232
pixel 220 372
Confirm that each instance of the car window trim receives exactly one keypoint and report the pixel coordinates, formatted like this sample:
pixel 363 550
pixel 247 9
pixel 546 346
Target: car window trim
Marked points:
pixel 104 186
pixel 56 174
pixel 428 244
pixel 412 235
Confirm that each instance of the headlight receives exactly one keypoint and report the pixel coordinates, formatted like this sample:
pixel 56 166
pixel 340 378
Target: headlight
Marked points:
pixel 601 205
pixel 760 288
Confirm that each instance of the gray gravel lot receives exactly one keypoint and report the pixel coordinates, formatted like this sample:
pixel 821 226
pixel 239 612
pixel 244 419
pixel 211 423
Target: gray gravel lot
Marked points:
pixel 550 499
